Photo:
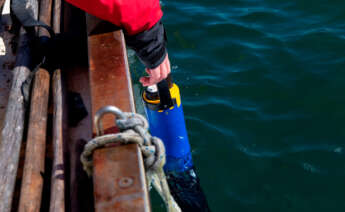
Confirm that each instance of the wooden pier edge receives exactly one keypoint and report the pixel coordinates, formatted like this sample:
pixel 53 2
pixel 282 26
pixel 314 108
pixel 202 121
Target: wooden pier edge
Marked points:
pixel 110 84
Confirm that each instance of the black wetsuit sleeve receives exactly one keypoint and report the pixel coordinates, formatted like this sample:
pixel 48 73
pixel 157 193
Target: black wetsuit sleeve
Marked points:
pixel 149 45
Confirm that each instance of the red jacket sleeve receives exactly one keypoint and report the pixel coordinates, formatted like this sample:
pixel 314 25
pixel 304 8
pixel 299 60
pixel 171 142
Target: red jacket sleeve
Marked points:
pixel 134 16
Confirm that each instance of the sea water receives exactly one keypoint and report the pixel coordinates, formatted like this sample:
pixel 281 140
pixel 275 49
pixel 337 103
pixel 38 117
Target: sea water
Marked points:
pixel 263 88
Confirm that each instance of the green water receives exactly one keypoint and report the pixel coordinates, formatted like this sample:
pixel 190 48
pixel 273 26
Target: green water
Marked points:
pixel 263 84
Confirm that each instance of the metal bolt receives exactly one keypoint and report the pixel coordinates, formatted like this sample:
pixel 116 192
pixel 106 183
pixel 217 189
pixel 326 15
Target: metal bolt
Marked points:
pixel 126 182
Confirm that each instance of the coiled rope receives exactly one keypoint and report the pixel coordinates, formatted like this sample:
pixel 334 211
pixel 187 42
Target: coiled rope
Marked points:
pixel 133 130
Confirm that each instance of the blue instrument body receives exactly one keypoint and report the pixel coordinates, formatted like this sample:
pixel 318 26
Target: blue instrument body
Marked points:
pixel 166 120
pixel 169 125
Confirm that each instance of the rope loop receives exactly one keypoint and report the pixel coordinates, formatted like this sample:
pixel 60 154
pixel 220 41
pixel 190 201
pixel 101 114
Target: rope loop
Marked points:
pixel 133 129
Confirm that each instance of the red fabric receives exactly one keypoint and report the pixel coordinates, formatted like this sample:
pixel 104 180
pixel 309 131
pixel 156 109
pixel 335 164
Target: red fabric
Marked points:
pixel 132 15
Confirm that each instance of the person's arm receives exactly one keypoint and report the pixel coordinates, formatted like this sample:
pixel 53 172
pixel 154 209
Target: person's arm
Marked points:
pixel 144 32
pixel 150 46
pixel 157 74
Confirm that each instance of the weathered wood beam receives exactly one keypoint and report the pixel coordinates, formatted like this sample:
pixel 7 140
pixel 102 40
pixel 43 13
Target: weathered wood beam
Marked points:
pixel 110 84
pixel 45 15
pixel 32 183
pixel 57 198
pixel 57 10
pixel 13 126
pixel 119 180
pixel 57 191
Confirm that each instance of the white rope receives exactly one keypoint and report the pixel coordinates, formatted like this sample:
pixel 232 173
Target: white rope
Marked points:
pixel 133 129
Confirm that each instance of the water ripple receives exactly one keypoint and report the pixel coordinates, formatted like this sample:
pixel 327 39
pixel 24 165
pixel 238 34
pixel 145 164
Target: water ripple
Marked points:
pixel 262 83
pixel 254 152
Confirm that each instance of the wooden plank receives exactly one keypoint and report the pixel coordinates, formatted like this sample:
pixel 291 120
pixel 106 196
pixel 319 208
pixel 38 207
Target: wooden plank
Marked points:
pixel 110 84
pixel 119 180
pixel 13 126
pixel 45 15
pixel 57 198
pixel 110 80
pixel 32 184
pixel 57 10
pixel 57 191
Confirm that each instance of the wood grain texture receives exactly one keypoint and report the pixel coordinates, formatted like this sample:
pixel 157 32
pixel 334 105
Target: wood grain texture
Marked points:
pixel 119 180
pixel 114 85
pixel 57 191
pixel 45 15
pixel 32 183
pixel 13 126
pixel 57 198
pixel 57 10
pixel 110 84
pixel 110 80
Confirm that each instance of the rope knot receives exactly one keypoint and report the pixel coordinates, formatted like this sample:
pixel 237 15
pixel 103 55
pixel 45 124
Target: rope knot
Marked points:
pixel 131 122
pixel 133 129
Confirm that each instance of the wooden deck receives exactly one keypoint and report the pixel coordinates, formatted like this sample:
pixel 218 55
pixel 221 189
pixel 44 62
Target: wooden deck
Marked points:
pixel 97 76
